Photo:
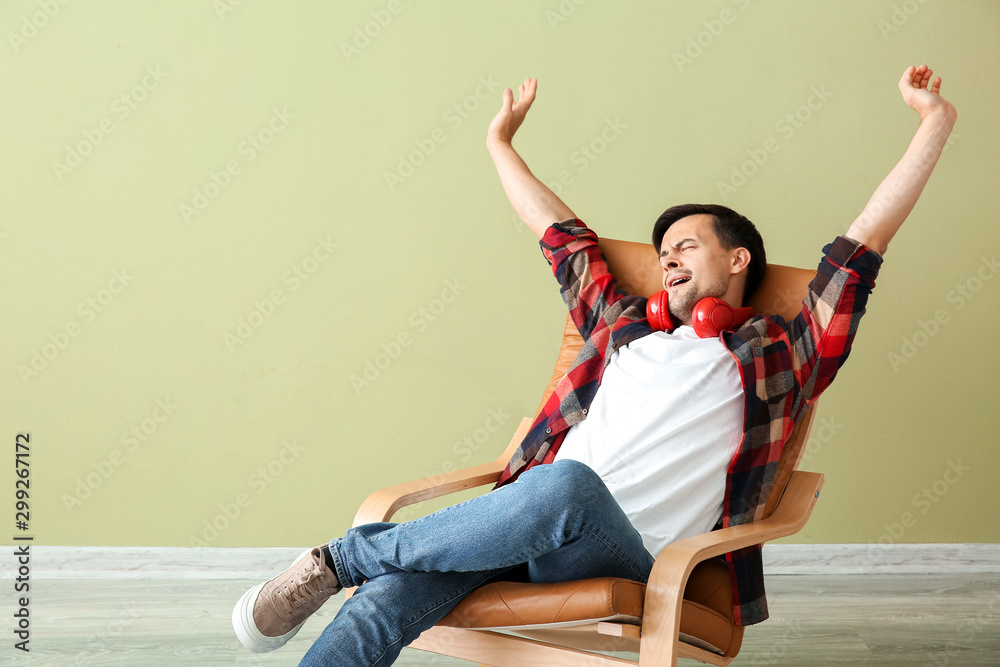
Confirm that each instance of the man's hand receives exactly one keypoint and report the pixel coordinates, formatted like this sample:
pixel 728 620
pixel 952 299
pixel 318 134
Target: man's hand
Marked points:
pixel 511 115
pixel 898 193
pixel 533 201
pixel 913 86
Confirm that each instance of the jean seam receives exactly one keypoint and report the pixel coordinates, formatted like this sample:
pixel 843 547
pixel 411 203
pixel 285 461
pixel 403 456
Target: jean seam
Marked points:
pixel 339 568
pixel 614 549
pixel 522 557
pixel 488 575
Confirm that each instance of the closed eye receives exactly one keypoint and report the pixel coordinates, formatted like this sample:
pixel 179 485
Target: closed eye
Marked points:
pixel 679 248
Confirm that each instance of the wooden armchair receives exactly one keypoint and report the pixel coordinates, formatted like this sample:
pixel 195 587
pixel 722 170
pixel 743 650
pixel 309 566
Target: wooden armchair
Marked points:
pixel 685 610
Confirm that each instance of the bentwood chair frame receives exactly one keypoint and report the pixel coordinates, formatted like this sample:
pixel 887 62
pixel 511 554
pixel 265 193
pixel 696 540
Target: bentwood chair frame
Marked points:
pixel 658 636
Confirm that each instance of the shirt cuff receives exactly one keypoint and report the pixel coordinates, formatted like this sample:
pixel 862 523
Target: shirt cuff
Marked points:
pixel 855 256
pixel 566 226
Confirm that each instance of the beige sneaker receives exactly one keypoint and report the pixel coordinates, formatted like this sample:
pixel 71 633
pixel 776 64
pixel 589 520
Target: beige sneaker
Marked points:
pixel 269 614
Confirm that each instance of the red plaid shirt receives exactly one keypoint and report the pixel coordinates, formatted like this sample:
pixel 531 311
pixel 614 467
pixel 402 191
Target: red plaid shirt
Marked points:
pixel 784 367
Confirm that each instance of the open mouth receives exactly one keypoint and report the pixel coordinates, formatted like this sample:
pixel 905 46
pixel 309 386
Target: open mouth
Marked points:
pixel 679 280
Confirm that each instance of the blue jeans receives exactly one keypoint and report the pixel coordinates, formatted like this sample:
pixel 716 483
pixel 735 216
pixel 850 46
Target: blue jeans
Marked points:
pixel 557 522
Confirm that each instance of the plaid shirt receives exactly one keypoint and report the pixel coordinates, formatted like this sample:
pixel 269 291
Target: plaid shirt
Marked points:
pixel 783 366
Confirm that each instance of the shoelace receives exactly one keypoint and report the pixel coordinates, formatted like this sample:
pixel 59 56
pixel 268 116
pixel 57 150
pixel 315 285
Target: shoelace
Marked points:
pixel 307 587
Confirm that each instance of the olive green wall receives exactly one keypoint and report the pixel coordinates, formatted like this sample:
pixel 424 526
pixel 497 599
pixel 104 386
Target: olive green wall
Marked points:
pixel 256 263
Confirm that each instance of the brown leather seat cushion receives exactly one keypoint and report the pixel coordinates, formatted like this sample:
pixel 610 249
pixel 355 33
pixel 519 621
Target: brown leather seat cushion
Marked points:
pixel 506 603
pixel 707 612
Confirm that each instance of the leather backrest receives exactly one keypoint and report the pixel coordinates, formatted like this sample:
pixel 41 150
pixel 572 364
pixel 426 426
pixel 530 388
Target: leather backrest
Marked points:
pixel 636 268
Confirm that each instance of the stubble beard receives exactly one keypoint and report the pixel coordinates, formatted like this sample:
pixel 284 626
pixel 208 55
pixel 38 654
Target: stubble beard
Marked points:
pixel 683 304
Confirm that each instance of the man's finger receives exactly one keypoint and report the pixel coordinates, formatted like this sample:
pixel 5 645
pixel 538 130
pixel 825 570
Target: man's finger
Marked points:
pixel 907 78
pixel 508 99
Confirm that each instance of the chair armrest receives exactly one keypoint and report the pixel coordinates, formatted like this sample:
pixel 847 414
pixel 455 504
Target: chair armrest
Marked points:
pixel 382 504
pixel 673 565
pixel 789 516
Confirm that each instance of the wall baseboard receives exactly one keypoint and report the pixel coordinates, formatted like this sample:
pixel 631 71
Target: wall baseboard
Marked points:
pixel 50 562
pixel 967 558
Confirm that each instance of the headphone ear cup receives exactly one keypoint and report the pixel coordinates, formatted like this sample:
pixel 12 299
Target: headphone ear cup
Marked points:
pixel 658 313
pixel 711 316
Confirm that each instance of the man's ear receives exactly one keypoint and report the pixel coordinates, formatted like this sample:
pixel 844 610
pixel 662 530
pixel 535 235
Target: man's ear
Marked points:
pixel 739 259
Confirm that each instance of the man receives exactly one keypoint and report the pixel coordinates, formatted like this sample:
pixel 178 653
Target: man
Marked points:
pixel 653 436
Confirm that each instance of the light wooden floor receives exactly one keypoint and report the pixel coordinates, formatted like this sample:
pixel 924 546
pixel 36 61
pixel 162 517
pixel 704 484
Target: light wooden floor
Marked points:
pixel 815 620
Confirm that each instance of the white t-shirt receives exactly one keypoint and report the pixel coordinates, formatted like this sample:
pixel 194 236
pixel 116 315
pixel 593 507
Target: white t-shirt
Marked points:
pixel 661 432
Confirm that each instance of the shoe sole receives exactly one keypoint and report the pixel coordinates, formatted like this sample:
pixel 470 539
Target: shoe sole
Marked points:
pixel 246 628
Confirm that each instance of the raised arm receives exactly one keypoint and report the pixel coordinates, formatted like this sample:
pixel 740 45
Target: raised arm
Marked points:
pixel 537 205
pixel 898 193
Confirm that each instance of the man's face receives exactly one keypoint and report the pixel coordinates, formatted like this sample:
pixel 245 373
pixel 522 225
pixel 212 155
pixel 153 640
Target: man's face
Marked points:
pixel 695 265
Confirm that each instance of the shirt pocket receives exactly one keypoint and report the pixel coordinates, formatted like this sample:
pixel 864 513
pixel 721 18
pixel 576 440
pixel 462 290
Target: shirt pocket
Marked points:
pixel 773 376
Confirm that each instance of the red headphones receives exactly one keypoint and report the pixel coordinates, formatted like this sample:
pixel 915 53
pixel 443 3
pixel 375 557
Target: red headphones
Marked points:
pixel 710 317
